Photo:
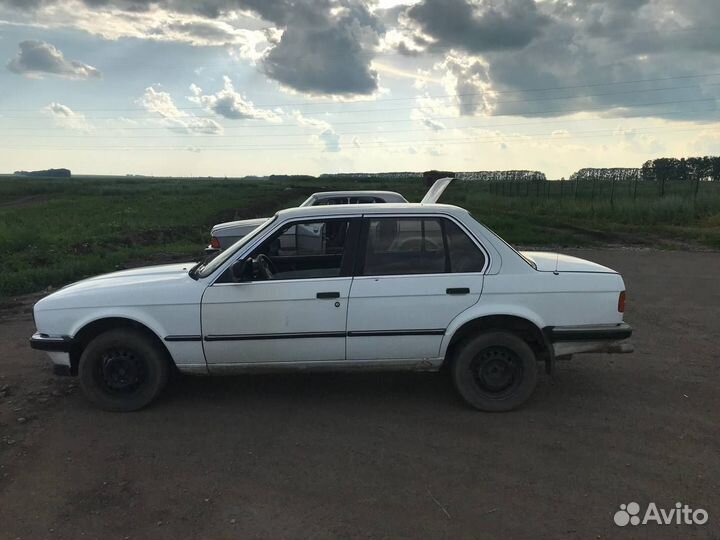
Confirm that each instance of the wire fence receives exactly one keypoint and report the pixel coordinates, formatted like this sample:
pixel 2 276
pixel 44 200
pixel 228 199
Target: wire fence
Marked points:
pixel 603 192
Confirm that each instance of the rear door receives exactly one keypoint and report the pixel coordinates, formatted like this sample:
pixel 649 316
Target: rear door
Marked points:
pixel 414 274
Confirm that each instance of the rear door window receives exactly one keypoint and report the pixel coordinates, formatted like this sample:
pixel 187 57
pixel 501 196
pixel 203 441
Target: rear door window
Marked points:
pixel 397 246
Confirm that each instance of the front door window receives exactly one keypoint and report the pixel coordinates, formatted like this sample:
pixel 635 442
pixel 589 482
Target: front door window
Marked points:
pixel 306 250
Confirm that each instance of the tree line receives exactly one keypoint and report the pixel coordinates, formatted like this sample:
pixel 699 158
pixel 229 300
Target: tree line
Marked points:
pixel 617 174
pixel 502 176
pixel 705 168
pixel 660 170
pixel 48 173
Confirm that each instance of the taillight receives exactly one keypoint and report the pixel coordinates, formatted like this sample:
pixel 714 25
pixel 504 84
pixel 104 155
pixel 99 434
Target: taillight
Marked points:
pixel 214 242
pixel 621 302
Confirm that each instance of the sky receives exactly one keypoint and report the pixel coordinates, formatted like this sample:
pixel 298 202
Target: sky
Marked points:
pixel 255 87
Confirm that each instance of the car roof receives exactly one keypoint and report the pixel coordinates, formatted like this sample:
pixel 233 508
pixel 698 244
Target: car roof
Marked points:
pixel 359 209
pixel 356 193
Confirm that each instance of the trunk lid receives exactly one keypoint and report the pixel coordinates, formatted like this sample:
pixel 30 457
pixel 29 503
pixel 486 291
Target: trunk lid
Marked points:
pixel 436 190
pixel 556 262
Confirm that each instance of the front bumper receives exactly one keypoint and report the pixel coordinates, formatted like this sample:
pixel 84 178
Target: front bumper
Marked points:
pixel 43 342
pixel 568 340
pixel 58 349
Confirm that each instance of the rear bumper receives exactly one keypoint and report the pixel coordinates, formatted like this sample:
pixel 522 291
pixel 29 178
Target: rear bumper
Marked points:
pixel 567 340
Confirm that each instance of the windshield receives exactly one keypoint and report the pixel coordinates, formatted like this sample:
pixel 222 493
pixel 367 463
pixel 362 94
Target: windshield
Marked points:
pixel 204 270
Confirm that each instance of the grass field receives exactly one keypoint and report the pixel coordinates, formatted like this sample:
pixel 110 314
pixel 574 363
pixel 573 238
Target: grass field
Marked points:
pixel 53 231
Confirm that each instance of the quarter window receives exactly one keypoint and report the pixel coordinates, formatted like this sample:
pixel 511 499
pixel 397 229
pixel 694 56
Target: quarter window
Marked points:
pixel 419 246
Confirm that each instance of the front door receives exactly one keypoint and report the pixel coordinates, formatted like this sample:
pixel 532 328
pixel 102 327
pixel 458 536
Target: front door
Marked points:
pixel 291 305
pixel 415 275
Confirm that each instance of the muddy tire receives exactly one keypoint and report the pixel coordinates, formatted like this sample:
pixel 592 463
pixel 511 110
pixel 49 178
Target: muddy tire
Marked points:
pixel 494 371
pixel 123 370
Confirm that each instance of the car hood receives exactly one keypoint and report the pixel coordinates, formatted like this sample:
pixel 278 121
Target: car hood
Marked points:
pixel 551 262
pixel 145 285
pixel 231 226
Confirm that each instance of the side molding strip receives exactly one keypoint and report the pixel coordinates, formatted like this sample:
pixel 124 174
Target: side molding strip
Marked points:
pixel 183 338
pixel 314 335
pixel 298 335
pixel 382 333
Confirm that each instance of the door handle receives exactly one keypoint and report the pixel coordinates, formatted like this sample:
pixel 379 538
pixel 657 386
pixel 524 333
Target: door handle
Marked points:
pixel 328 295
pixel 458 290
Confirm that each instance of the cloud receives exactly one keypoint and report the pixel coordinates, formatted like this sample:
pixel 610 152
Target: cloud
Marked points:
pixel 325 48
pixel 577 53
pixel 64 116
pixel 467 79
pixel 230 104
pixel 427 108
pixel 38 58
pixel 478 27
pixel 179 121
pixel 314 47
pixel 493 55
pixel 330 139
pixel 327 136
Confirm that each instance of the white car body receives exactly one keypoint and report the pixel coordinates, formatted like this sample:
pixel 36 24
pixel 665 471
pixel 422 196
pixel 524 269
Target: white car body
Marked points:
pixel 226 234
pixel 565 293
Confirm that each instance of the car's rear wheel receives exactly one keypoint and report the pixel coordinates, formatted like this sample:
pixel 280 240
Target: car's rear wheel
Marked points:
pixel 123 370
pixel 495 371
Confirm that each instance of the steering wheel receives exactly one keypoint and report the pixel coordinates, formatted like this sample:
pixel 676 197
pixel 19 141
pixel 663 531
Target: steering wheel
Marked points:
pixel 265 266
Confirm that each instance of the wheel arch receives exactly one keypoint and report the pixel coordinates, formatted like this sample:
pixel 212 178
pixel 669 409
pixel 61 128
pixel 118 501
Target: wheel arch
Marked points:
pixel 525 327
pixel 91 329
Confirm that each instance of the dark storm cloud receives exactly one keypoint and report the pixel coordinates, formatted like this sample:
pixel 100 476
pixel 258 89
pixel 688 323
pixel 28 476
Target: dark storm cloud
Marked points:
pixel 326 46
pixel 499 51
pixel 502 54
pixel 324 50
pixel 479 27
pixel 599 43
pixel 325 54
pixel 37 58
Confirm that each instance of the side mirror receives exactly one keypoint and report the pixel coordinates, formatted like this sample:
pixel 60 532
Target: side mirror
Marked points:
pixel 240 270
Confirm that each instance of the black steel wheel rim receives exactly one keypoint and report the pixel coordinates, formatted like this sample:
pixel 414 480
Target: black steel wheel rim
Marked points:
pixel 497 371
pixel 121 371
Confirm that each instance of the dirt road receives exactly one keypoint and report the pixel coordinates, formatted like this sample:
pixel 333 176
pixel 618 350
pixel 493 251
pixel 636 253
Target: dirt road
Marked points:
pixel 384 455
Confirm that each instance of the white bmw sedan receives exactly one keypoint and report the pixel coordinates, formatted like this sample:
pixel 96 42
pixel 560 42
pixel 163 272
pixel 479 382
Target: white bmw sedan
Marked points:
pixel 381 286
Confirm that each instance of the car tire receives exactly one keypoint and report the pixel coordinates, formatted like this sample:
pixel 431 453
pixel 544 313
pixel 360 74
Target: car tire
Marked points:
pixel 123 370
pixel 495 371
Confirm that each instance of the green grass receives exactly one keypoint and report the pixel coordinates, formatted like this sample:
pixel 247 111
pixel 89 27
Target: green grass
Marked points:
pixel 53 231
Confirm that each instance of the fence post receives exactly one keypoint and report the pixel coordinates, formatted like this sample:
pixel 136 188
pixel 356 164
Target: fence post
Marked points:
pixel 635 189
pixel 612 192
pixel 562 181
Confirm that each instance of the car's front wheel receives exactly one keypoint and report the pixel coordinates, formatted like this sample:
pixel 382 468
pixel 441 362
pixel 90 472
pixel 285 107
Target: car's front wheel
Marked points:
pixel 122 370
pixel 495 371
